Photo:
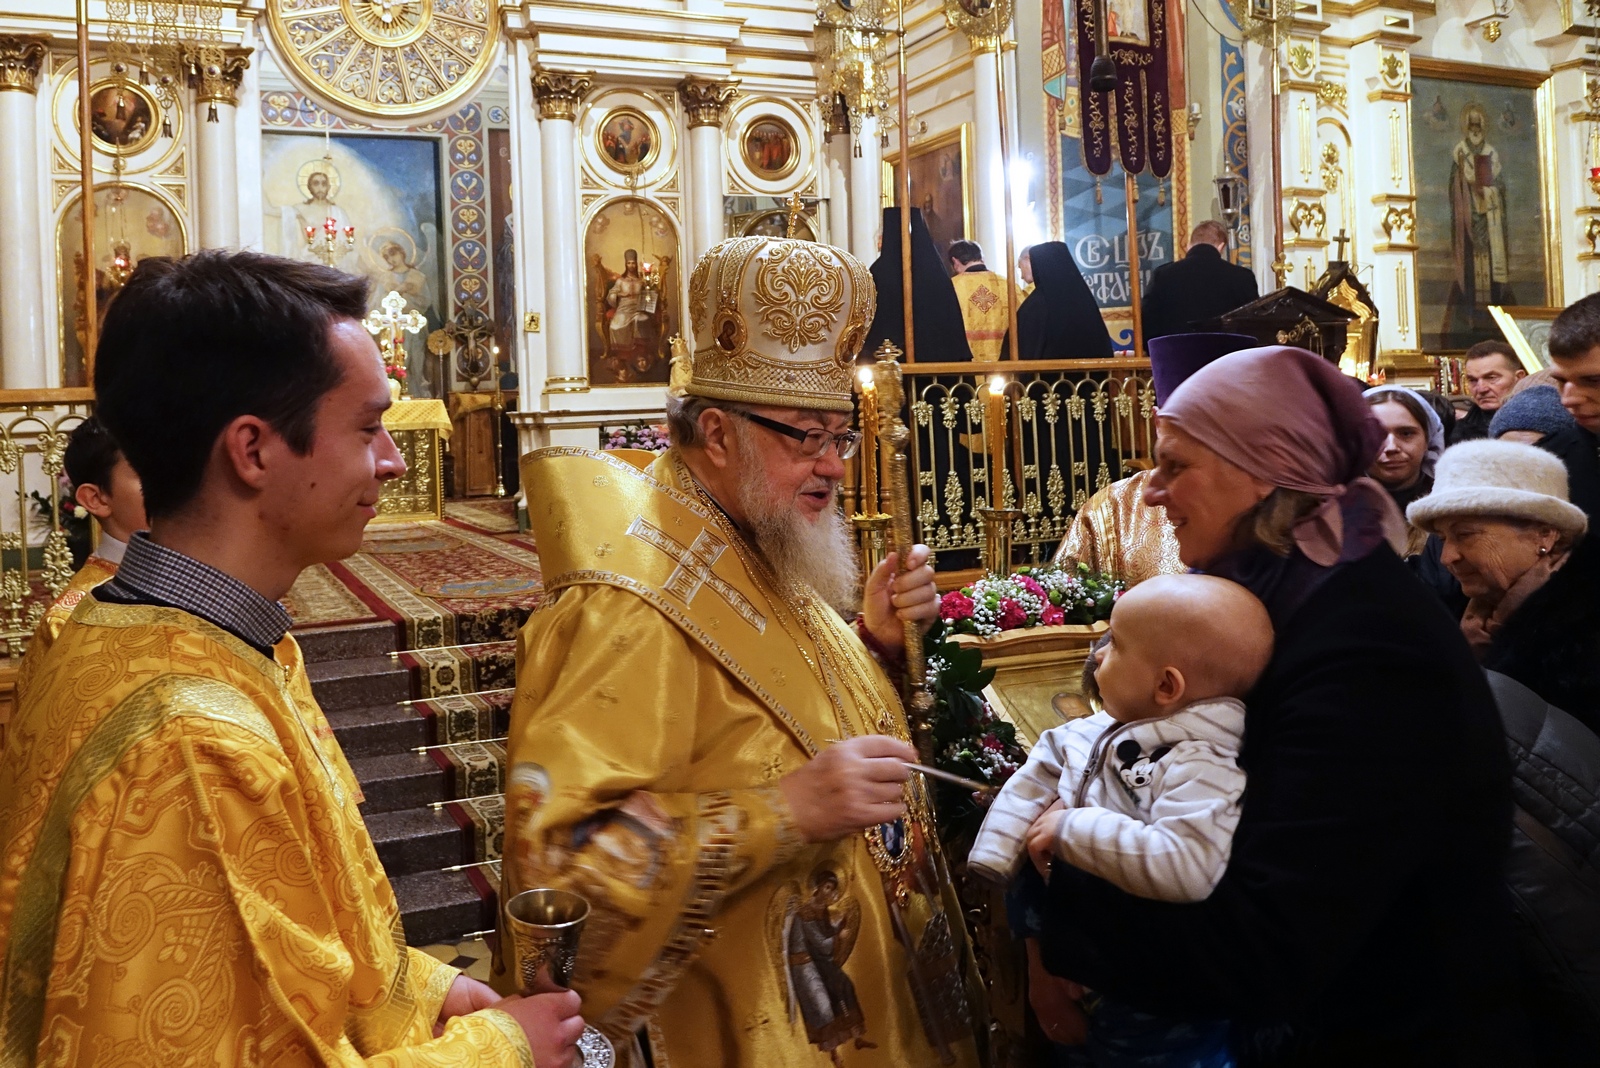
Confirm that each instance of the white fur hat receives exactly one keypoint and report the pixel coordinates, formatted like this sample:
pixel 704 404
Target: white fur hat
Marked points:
pixel 1499 480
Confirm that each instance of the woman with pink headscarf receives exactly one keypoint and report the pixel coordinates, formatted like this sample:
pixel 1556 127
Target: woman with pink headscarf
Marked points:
pixel 1362 918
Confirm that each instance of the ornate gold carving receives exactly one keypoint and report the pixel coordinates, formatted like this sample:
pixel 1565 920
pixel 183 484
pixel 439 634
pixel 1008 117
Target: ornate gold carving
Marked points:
pixel 1302 59
pixel 558 93
pixel 387 59
pixel 1393 68
pixel 706 102
pixel 983 21
pixel 1330 167
pixel 20 59
pixel 220 85
pixel 1333 94
pixel 1399 223
pixel 1308 215
pixel 799 298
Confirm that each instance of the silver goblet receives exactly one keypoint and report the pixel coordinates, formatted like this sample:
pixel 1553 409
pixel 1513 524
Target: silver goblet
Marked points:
pixel 544 927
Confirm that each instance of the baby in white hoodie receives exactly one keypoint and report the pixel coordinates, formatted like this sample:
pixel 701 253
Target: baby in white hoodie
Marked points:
pixel 1145 794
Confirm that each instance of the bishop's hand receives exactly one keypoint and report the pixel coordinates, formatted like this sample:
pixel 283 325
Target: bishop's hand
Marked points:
pixel 848 787
pixel 891 599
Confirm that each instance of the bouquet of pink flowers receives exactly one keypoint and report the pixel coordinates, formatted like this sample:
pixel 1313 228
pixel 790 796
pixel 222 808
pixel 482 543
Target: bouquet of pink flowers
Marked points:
pixel 1031 597
pixel 647 436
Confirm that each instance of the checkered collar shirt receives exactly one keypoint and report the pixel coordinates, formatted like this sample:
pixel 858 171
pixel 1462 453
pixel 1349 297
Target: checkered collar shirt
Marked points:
pixel 153 573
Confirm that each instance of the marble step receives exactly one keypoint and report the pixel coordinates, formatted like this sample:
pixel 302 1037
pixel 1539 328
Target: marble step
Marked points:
pixel 414 840
pixel 442 906
pixel 346 641
pixel 358 683
pixel 408 780
pixel 378 730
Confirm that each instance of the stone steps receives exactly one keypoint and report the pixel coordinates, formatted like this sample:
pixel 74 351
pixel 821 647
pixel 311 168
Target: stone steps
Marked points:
pixel 431 774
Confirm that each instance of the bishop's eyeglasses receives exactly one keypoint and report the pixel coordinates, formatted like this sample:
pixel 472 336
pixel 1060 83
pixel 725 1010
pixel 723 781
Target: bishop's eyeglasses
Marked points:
pixel 814 442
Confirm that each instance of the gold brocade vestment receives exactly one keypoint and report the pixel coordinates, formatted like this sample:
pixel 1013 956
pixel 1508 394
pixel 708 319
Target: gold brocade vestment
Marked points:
pixel 662 691
pixel 985 309
pixel 95 570
pixel 187 879
pixel 1117 534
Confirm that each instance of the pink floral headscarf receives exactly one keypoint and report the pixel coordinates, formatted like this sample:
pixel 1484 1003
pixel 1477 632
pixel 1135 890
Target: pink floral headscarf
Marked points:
pixel 1288 417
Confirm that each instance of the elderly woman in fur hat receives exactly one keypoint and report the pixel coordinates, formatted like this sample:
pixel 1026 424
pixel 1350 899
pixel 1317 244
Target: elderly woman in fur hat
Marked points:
pixel 1514 541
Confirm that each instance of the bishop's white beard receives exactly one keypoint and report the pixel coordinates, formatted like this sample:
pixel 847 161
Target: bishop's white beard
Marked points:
pixel 818 553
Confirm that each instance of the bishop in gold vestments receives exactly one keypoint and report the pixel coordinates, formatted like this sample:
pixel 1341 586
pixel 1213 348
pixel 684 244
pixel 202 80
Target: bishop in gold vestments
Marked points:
pixel 670 683
pixel 186 876
pixel 662 690
pixel 1117 534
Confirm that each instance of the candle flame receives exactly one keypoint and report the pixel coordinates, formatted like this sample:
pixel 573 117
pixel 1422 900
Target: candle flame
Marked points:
pixel 864 376
pixel 997 384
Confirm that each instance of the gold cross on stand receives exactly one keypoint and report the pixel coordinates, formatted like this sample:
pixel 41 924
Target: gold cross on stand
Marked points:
pixel 796 210
pixel 389 322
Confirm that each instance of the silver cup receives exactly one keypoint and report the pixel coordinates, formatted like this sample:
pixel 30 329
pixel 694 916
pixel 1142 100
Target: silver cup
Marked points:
pixel 544 927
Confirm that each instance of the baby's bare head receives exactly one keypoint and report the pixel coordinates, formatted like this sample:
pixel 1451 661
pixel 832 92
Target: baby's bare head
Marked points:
pixel 1177 639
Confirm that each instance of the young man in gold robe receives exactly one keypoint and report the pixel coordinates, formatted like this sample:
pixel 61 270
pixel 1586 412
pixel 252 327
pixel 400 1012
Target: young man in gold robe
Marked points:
pixel 105 487
pixel 701 745
pixel 187 878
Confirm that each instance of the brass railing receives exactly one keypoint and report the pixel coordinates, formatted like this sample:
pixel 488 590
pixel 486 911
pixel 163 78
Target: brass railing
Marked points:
pixel 1072 428
pixel 35 559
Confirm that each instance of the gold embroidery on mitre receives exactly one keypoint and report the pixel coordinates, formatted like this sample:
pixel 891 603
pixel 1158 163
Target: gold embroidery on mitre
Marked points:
pixel 798 296
pixel 776 322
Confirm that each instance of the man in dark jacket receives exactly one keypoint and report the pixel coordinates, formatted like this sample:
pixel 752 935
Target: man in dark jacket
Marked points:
pixel 1489 374
pixel 1201 286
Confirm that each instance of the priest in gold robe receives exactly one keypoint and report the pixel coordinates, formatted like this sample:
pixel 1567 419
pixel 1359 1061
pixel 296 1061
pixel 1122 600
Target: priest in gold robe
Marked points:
pixel 702 745
pixel 187 878
pixel 1115 532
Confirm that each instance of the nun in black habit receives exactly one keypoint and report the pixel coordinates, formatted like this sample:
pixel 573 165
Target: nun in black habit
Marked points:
pixel 1060 319
pixel 941 335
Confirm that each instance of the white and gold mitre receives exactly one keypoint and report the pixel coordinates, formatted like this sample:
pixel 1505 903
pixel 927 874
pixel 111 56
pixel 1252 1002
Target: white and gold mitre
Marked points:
pixel 775 322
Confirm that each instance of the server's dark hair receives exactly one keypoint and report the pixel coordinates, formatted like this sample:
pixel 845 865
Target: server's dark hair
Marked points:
pixel 191 344
pixel 1577 329
pixel 90 455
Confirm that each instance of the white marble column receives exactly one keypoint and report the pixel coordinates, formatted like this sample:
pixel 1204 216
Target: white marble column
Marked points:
pixel 557 94
pixel 866 192
pixel 705 103
pixel 989 209
pixel 216 147
pixel 837 162
pixel 1386 221
pixel 22 319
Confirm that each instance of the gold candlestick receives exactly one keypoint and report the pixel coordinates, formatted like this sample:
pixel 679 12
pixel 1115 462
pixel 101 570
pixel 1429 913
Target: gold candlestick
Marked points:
pixel 994 431
pixel 871 505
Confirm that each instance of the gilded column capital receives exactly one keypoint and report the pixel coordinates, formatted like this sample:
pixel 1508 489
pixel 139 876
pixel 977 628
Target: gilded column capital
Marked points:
pixel 20 59
pixel 217 83
pixel 706 102
pixel 557 93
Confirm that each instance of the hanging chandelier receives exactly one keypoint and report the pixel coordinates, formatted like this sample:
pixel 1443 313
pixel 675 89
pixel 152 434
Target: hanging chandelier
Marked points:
pixel 852 47
pixel 166 40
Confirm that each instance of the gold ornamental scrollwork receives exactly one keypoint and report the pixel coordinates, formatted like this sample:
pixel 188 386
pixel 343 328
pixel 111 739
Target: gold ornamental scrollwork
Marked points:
pixel 1333 94
pixel 221 84
pixel 20 59
pixel 799 297
pixel 558 93
pixel 1399 223
pixel 983 21
pixel 1307 215
pixel 1302 60
pixel 706 102
pixel 386 58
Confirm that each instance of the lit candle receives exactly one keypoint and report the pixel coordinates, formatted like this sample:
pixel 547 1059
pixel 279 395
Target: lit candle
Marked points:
pixel 994 429
pixel 311 234
pixel 869 442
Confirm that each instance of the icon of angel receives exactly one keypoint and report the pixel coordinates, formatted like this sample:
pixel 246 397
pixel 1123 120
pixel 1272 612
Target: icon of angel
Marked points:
pixel 817 933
